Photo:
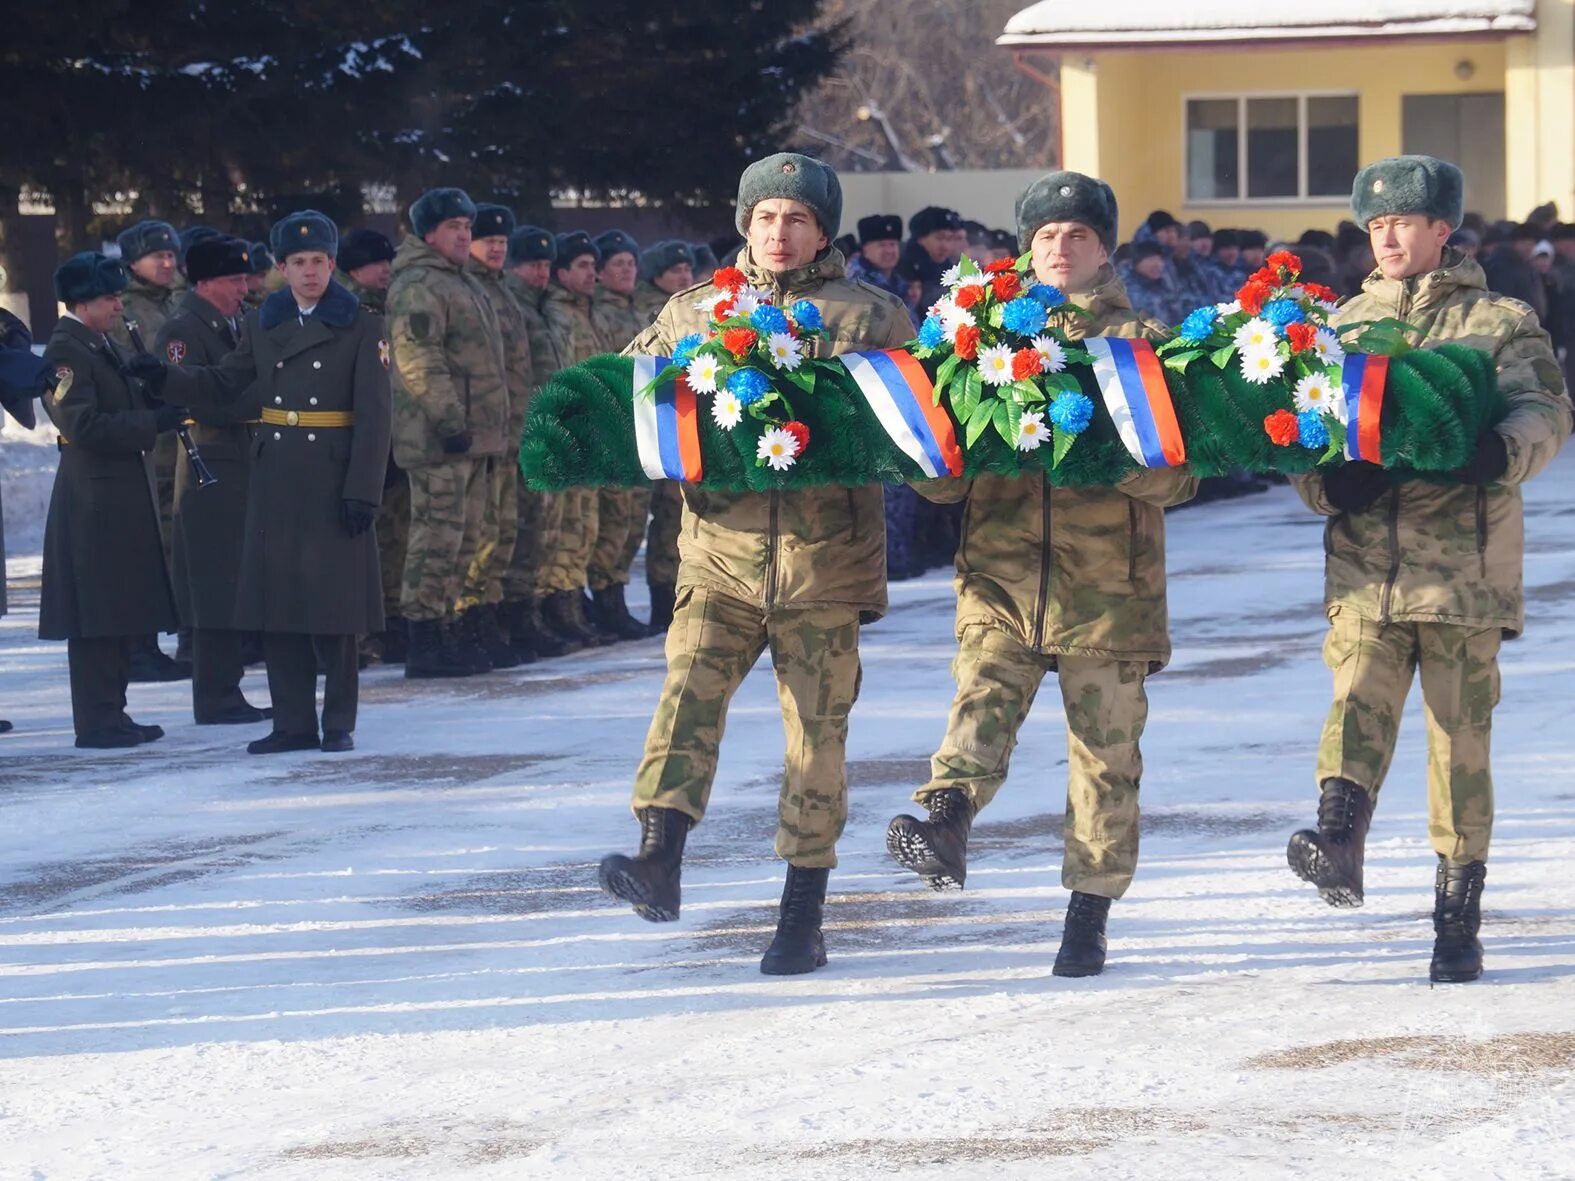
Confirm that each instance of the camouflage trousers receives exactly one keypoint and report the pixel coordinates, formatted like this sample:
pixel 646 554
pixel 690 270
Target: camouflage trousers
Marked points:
pixel 393 537
pixel 495 545
pixel 620 528
pixel 1106 709
pixel 540 516
pixel 661 537
pixel 713 642
pixel 566 552
pixel 447 502
pixel 1373 667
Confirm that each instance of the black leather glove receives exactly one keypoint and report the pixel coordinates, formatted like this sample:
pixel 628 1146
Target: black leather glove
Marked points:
pixel 1488 462
pixel 356 516
pixel 456 444
pixel 167 418
pixel 149 370
pixel 1353 487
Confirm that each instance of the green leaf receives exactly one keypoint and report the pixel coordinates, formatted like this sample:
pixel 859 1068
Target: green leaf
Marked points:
pixel 1005 419
pixel 982 416
pixel 996 314
pixel 1063 444
pixel 973 384
pixel 947 368
pixel 668 373
pixel 1024 261
pixel 1180 361
pixel 964 399
pixel 967 266
pixel 1221 356
pixel 803 377
pixel 1028 392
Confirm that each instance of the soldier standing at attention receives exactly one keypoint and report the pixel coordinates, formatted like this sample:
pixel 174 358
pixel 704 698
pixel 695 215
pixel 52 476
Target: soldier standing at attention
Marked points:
pixel 450 415
pixel 793 571
pixel 313 366
pixel 257 281
pixel 1063 580
pixel 210 523
pixel 1426 576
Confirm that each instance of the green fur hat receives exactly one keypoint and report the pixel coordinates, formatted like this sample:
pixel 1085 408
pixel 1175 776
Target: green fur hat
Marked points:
pixel 1410 184
pixel 1068 196
pixel 796 178
pixel 664 256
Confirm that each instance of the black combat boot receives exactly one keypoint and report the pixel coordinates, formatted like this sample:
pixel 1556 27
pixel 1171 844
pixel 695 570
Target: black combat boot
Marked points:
pixel 149 664
pixel 1330 856
pixel 493 639
pixel 1457 916
pixel 650 879
pixel 936 849
pixel 577 604
pixel 558 613
pixel 1083 938
pixel 464 633
pixel 664 596
pixel 545 640
pixel 514 619
pixel 395 640
pixel 798 946
pixel 612 614
pixel 431 653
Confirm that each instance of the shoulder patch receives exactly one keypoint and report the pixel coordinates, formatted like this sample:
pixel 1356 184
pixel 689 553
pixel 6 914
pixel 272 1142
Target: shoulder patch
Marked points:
pixel 420 325
pixel 175 350
pixel 382 352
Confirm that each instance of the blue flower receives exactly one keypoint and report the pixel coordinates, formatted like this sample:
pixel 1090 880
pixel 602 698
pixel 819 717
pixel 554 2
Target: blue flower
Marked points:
pixel 1071 413
pixel 685 351
pixel 1195 329
pixel 1282 313
pixel 1046 295
pixel 1024 316
pixel 807 316
pixel 931 333
pixel 749 385
pixel 1311 429
pixel 769 318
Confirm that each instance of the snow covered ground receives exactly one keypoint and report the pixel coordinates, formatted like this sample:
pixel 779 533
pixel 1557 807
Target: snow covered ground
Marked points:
pixel 395 964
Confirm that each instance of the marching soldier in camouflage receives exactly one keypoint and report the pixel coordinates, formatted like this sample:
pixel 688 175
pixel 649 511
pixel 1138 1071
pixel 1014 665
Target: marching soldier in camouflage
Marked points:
pixel 1422 576
pixel 576 336
pixel 620 512
pixel 451 409
pixel 365 267
pixel 151 251
pixel 482 595
pixel 792 571
pixel 526 584
pixel 665 269
pixel 1062 580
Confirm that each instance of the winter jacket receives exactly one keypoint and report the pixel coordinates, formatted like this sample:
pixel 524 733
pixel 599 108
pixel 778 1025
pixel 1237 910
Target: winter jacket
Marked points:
pixel 516 349
pixel 617 317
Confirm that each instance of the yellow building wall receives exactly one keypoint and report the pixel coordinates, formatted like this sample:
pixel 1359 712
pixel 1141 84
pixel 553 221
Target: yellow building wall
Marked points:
pixel 1539 113
pixel 1123 115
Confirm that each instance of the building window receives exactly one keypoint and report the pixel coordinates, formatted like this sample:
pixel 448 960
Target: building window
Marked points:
pixel 1270 147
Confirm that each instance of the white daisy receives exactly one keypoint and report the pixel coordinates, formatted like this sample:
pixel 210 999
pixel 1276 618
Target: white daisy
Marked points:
pixel 1052 359
pixel 784 350
pixel 1228 309
pixel 951 275
pixel 974 280
pixel 726 410
pixel 1327 345
pixel 1261 363
pixel 995 365
pixel 1031 430
pixel 707 301
pixel 1255 332
pixel 1317 392
pixel 748 299
pixel 778 448
pixel 953 317
pixel 702 373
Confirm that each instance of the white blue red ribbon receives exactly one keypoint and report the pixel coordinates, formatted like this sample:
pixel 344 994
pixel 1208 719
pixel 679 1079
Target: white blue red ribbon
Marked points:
pixel 903 399
pixel 1362 377
pixel 666 429
pixel 1132 382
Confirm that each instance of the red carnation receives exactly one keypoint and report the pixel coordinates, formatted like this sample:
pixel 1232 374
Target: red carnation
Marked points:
pixel 722 309
pixel 800 432
pixel 1004 286
pixel 1252 295
pixel 1301 336
pixel 969 296
pixel 1000 266
pixel 728 279
pixel 1319 291
pixel 1264 274
pixel 739 341
pixel 966 343
pixel 1026 363
pixel 1282 427
pixel 1284 259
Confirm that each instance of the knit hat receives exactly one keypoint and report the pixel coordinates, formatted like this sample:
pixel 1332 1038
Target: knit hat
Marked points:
pixel 1068 196
pixel 144 238
pixel 880 227
pixel 796 178
pixel 570 246
pixel 664 256
pixel 611 242
pixel 218 258
pixel 530 244
pixel 932 218
pixel 436 206
pixel 306 230
pixel 363 247
pixel 89 275
pixel 1409 184
pixel 492 221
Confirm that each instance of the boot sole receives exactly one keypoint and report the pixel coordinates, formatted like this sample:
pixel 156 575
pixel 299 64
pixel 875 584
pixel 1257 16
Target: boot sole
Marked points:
pixel 1454 977
pixel 1077 971
pixel 911 851
pixel 628 889
pixel 767 968
pixel 1307 862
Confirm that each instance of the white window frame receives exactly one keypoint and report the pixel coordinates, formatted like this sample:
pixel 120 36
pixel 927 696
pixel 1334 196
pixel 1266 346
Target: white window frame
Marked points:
pixel 1241 97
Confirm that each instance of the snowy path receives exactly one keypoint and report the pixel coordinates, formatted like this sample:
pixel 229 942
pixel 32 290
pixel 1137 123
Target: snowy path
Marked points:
pixel 395 964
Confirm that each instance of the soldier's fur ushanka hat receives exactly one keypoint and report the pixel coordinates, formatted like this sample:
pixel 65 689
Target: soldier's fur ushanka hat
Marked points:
pixel 218 258
pixel 568 247
pixel 492 221
pixel 664 256
pixel 611 242
pixel 89 275
pixel 531 244
pixel 1068 196
pixel 1410 184
pixel 790 176
pixel 363 247
pixel 144 238
pixel 306 230
pixel 436 206
pixel 880 227
pixel 262 258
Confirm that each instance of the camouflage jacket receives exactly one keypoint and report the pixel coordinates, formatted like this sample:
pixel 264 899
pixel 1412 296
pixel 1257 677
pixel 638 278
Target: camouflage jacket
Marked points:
pixel 516 349
pixel 1449 553
pixel 573 325
pixel 618 318
pixel 649 300
pixel 804 547
pixel 370 300
pixel 545 360
pixel 147 305
pixel 448 360
pixel 1072 570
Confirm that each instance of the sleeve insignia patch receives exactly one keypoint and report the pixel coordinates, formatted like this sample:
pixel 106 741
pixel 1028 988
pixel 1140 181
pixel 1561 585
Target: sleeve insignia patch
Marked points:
pixel 175 350
pixel 382 352
pixel 63 380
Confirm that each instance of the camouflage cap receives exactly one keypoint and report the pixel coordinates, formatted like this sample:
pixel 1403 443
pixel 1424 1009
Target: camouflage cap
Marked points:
pixel 144 238
pixel 793 177
pixel 1068 196
pixel 89 275
pixel 492 221
pixel 664 256
pixel 530 244
pixel 1409 184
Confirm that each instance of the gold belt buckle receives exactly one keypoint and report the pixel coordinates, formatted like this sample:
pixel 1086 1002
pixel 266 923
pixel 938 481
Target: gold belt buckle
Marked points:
pixel 292 418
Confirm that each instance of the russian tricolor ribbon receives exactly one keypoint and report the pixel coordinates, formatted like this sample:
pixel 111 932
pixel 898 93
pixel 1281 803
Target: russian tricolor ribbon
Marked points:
pixel 1362 377
pixel 1132 382
pixel 903 399
pixel 666 430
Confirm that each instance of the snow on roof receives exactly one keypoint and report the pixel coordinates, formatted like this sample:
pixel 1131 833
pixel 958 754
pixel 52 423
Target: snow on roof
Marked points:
pixel 1152 22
